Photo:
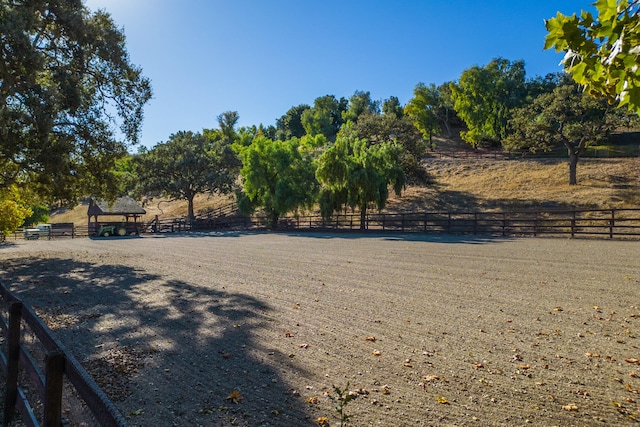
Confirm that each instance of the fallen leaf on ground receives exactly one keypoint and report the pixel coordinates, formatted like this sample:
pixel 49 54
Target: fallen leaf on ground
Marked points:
pixel 376 353
pixel 570 407
pixel 372 339
pixel 235 396
pixel 322 421
pixel 442 400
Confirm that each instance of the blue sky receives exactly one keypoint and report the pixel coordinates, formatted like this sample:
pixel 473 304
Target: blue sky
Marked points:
pixel 261 57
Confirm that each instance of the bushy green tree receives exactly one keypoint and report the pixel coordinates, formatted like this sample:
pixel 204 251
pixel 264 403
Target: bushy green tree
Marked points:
pixel 431 110
pixel 186 165
pixel 602 52
pixel 566 117
pixel 277 176
pixel 389 128
pixel 392 107
pixel 66 88
pixel 13 210
pixel 357 174
pixel 360 103
pixel 290 124
pixel 325 117
pixel 484 98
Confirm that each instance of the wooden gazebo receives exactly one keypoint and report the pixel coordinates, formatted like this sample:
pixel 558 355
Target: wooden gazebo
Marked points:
pixel 124 207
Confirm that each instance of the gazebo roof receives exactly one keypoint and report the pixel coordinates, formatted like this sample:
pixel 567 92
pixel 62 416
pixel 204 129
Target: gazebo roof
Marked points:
pixel 121 206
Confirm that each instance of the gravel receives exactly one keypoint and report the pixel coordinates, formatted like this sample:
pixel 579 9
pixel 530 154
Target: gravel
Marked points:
pixel 258 329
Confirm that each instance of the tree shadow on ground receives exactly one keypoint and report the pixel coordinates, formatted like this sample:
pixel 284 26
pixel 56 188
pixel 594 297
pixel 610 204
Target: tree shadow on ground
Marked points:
pixel 189 357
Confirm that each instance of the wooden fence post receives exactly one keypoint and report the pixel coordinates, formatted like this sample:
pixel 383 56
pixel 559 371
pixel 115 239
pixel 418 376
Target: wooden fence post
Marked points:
pixel 573 224
pixel 612 223
pixel 475 223
pixel 504 223
pixel 54 370
pixel 13 358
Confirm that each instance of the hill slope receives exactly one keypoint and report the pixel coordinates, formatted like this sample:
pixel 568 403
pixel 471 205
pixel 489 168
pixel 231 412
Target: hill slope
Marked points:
pixel 467 185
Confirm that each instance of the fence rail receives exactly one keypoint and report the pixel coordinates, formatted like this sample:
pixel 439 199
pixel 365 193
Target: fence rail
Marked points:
pixel 609 223
pixel 559 153
pixel 46 388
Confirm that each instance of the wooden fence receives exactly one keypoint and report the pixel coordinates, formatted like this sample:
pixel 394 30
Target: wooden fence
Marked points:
pixel 558 153
pixel 40 389
pixel 606 223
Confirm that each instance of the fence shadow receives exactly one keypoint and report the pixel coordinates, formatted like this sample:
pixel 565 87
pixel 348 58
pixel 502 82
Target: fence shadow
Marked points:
pixel 186 357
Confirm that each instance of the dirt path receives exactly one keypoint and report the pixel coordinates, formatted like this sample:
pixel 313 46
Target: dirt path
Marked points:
pixel 255 329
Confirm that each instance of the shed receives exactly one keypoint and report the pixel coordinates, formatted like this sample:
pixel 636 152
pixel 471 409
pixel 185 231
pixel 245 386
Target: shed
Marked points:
pixel 126 208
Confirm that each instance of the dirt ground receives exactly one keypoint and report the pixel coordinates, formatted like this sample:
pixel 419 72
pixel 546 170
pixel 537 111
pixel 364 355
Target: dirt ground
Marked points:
pixel 256 329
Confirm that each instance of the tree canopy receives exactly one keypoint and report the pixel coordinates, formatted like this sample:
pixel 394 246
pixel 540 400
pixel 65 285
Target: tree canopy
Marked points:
pixel 355 173
pixel 484 96
pixel 602 52
pixel 186 165
pixel 278 176
pixel 70 100
pixel 431 109
pixel 325 117
pixel 568 117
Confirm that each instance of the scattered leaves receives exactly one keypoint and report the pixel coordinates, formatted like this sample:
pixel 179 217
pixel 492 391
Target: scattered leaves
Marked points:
pixel 371 338
pixel 288 335
pixel 313 400
pixel 570 407
pixel 136 412
pixel 632 360
pixel 235 397
pixel 442 400
pixel 376 353
pixel 322 421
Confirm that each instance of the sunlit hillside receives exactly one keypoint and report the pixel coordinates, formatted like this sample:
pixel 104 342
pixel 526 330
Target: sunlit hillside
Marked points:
pixel 466 185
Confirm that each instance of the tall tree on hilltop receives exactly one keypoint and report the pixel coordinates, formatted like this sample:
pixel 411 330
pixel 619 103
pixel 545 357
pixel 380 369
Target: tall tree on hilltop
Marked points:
pixel 431 110
pixel 484 98
pixel 290 124
pixel 360 103
pixel 67 88
pixel 392 107
pixel 325 117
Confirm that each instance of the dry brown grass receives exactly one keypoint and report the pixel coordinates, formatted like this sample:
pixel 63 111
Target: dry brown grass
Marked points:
pixel 516 184
pixel 461 184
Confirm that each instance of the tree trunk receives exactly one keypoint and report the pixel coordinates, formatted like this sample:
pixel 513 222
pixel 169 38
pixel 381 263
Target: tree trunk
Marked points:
pixel 273 220
pixel 573 167
pixel 363 218
pixel 190 213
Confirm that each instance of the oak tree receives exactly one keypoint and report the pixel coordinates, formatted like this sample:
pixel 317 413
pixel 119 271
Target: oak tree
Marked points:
pixel 186 165
pixel 70 99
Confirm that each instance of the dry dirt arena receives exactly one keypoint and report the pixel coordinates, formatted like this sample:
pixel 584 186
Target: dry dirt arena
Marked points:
pixel 256 329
